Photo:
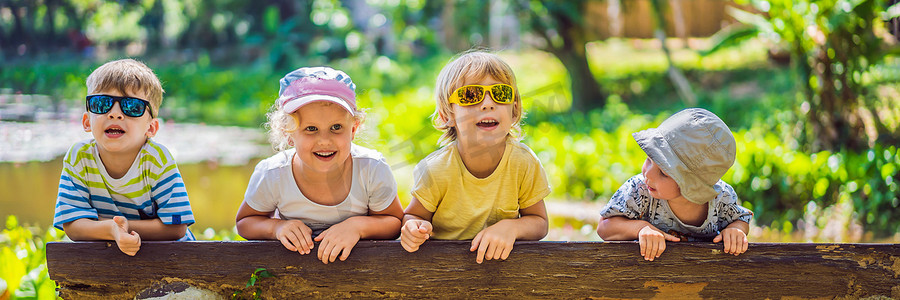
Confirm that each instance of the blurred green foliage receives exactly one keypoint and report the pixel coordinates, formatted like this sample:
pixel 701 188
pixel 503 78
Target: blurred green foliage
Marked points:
pixel 832 46
pixel 23 261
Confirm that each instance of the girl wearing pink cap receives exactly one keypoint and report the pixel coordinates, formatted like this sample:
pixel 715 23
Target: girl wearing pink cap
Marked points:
pixel 323 187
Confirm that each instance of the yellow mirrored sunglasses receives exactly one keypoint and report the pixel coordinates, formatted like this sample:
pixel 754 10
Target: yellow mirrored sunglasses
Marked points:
pixel 473 94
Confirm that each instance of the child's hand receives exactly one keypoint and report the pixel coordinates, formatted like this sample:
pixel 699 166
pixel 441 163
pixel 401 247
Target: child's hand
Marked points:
pixel 340 237
pixel 414 233
pixel 735 240
pixel 495 242
pixel 128 242
pixel 653 242
pixel 295 236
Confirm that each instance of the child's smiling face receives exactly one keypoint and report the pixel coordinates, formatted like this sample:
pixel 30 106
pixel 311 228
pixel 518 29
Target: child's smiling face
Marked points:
pixel 660 185
pixel 324 136
pixel 487 122
pixel 117 133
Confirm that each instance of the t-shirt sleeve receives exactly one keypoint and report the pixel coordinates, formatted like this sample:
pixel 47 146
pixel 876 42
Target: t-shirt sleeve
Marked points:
pixel 170 194
pixel 425 188
pixel 382 188
pixel 72 200
pixel 534 186
pixel 259 194
pixel 627 201
pixel 728 208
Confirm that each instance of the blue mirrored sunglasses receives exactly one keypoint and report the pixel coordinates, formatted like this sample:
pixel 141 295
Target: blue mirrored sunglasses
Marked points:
pixel 131 106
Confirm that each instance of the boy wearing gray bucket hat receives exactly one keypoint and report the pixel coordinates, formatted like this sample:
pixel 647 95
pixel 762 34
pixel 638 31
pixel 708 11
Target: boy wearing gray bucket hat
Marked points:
pixel 679 194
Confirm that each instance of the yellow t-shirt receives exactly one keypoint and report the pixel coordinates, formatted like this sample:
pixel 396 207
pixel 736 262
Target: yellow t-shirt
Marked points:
pixel 463 204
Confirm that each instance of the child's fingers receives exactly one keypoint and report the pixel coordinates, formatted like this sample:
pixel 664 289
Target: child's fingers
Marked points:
pixel 498 251
pixel 670 237
pixel 425 227
pixel 490 248
pixel 323 246
pixel 334 253
pixel 660 247
pixel 476 241
pixel 735 244
pixel 728 241
pixel 408 245
pixel 287 243
pixel 296 239
pixel 744 244
pixel 479 257
pixel 307 237
pixel 651 250
pixel 506 251
pixel 346 252
pixel 411 239
pixel 718 238
pixel 414 230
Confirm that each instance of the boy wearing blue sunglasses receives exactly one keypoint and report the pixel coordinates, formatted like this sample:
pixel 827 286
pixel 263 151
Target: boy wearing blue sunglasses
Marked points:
pixel 121 185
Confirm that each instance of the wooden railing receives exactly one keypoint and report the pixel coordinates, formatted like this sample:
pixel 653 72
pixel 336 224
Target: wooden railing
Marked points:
pixel 446 269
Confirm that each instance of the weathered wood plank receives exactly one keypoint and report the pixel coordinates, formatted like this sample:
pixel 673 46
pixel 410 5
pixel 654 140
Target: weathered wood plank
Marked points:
pixel 447 269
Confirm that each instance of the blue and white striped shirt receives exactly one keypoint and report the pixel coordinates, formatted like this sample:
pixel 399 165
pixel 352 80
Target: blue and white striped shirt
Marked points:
pixel 152 188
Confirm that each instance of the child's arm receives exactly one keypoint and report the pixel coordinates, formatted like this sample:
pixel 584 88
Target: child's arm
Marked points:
pixel 417 226
pixel 735 237
pixel 496 241
pixel 115 229
pixel 156 230
pixel 651 239
pixel 342 237
pixel 257 225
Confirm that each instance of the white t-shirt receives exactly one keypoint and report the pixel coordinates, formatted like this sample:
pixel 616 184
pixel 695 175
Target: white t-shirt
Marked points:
pixel 272 187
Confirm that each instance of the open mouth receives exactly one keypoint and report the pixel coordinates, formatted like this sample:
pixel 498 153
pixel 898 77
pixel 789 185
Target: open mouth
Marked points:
pixel 325 154
pixel 487 123
pixel 114 131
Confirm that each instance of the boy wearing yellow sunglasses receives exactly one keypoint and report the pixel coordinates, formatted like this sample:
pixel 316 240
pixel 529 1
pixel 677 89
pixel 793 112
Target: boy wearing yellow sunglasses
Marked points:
pixel 482 184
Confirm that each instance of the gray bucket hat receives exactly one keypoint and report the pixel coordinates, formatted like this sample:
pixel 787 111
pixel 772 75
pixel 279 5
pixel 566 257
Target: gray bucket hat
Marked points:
pixel 694 147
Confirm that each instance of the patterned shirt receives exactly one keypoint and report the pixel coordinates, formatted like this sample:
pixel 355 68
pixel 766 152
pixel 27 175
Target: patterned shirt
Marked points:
pixel 633 201
pixel 151 189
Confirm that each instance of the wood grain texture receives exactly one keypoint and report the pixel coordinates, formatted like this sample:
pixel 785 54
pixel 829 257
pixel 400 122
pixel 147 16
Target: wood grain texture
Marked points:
pixel 446 269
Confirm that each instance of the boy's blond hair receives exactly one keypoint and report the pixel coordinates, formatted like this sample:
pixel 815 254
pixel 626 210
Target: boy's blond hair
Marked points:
pixel 280 125
pixel 472 66
pixel 126 75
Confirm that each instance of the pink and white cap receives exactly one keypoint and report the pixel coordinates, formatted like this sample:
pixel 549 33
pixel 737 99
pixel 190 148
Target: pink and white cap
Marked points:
pixel 306 85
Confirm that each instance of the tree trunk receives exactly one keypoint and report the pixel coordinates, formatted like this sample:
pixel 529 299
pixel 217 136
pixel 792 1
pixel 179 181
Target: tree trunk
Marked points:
pixel 586 93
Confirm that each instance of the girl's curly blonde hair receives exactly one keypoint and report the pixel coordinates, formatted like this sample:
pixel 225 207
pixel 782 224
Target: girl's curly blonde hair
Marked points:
pixel 472 66
pixel 280 125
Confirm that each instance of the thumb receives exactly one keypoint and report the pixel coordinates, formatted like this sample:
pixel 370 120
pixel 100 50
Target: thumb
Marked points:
pixel 671 238
pixel 121 222
pixel 425 227
pixel 718 238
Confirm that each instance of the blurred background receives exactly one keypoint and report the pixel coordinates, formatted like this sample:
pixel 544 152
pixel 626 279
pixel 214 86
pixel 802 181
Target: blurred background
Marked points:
pixel 809 87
